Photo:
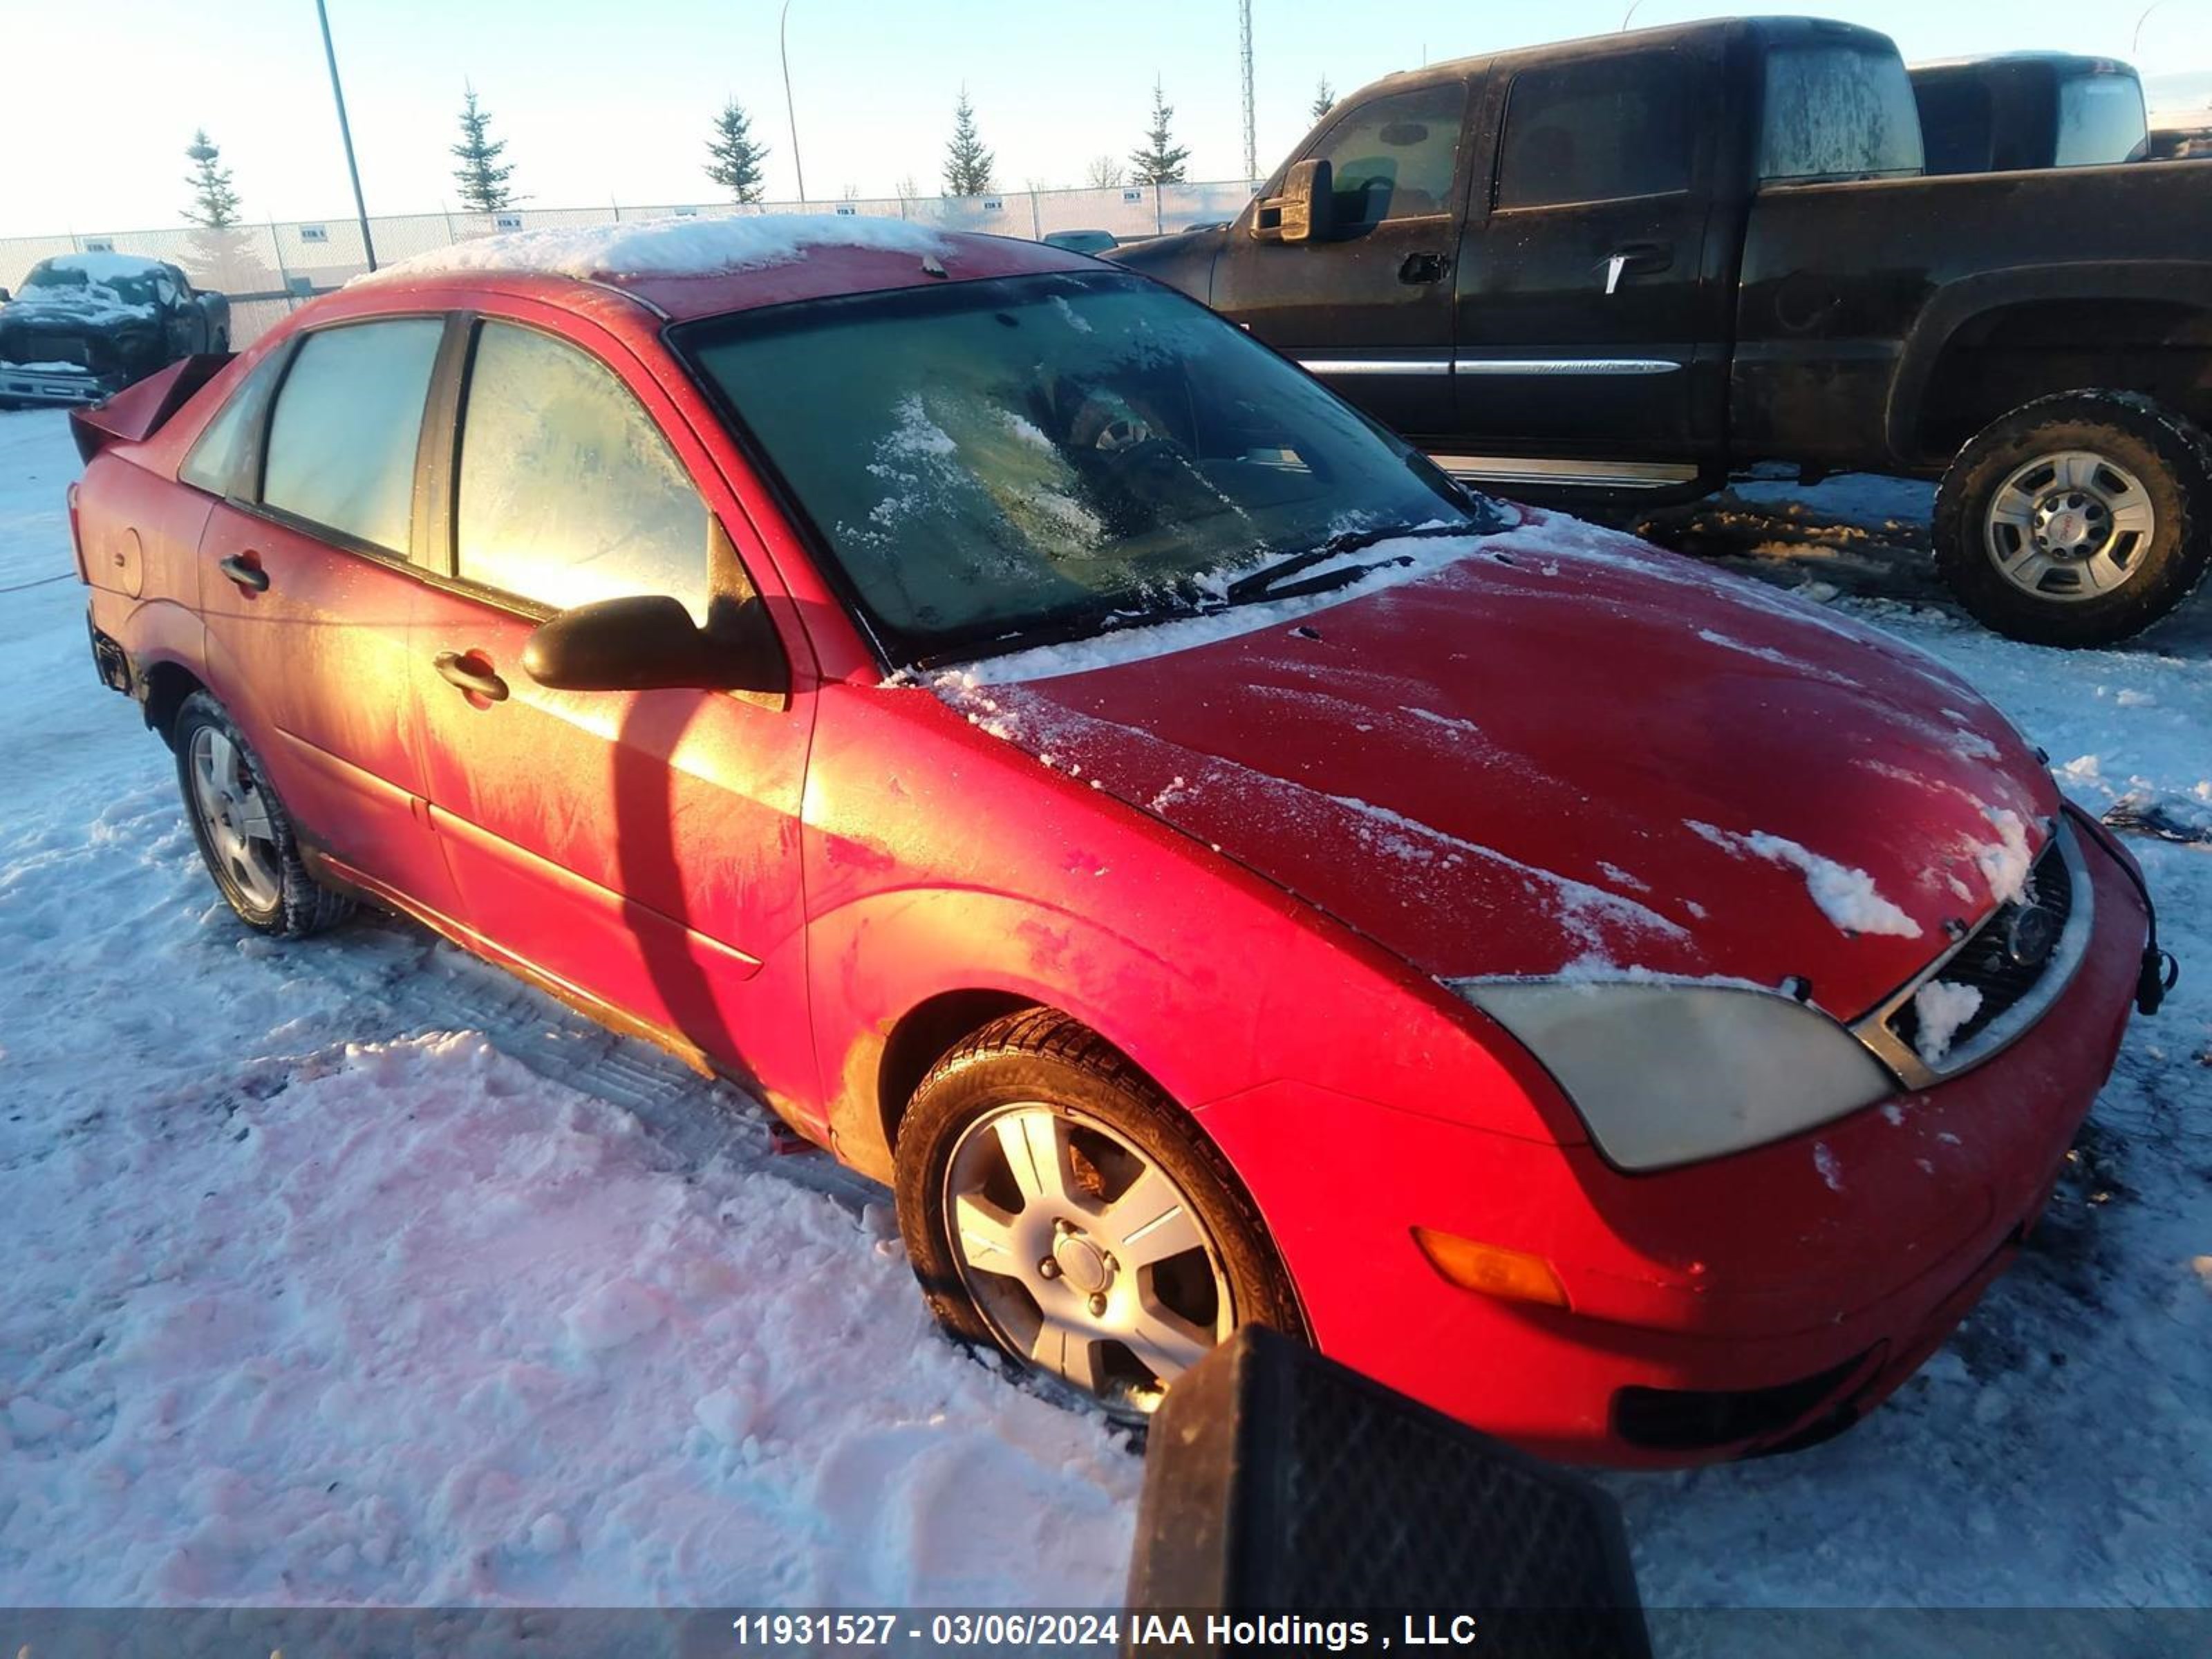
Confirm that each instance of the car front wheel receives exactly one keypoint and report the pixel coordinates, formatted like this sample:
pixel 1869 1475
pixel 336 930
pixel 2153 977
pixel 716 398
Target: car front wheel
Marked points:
pixel 2077 520
pixel 245 835
pixel 1057 1206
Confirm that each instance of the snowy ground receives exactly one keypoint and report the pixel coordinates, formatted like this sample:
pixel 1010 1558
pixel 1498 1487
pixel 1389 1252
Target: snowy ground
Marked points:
pixel 321 1289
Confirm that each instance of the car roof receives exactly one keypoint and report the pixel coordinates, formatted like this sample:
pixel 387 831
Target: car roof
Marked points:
pixel 686 268
pixel 2062 62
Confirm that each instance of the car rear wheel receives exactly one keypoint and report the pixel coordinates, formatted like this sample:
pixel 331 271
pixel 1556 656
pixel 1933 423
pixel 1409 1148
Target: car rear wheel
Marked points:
pixel 2077 520
pixel 1057 1206
pixel 245 835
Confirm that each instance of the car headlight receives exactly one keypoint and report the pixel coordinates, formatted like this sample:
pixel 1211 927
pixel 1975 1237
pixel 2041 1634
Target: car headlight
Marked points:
pixel 1665 1072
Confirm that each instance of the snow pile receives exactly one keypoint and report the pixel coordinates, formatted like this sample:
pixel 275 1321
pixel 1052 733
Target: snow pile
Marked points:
pixel 1846 896
pixel 669 247
pixel 1940 1010
pixel 2006 864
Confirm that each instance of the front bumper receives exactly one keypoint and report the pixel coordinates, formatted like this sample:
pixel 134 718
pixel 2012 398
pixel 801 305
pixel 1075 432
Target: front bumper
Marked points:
pixel 61 386
pixel 1793 1286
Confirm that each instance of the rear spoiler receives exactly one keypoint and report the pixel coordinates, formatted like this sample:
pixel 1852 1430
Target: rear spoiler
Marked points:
pixel 137 411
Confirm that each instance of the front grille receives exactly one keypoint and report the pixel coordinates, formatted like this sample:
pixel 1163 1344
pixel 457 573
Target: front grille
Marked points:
pixel 1696 1419
pixel 1983 962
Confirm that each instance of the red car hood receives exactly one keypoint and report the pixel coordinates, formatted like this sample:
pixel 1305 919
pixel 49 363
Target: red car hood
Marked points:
pixel 1559 748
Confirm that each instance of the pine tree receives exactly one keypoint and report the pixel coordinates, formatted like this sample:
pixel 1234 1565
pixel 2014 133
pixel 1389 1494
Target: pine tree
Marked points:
pixel 215 203
pixel 1324 98
pixel 733 158
pixel 1160 162
pixel 967 164
pixel 482 176
pixel 1105 173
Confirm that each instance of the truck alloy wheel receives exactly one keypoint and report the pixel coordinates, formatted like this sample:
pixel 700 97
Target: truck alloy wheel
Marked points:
pixel 2077 520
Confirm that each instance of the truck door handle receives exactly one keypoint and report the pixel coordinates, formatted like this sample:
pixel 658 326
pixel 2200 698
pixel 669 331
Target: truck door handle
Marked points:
pixel 1422 267
pixel 245 569
pixel 454 667
pixel 1639 258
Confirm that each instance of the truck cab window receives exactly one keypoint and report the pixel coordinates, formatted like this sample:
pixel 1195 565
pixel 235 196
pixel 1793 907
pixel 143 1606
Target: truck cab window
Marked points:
pixel 1394 156
pixel 1599 131
pixel 1836 112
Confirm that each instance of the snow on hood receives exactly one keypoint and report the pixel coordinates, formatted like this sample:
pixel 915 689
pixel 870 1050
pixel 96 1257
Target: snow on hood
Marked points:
pixel 668 247
pixel 1559 750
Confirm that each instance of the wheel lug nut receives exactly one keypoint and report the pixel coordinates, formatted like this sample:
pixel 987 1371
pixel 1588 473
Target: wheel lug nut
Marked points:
pixel 1048 1268
pixel 1098 1304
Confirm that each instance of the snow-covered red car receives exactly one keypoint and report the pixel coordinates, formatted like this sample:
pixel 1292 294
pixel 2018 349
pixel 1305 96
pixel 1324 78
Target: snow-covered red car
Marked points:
pixel 1078 771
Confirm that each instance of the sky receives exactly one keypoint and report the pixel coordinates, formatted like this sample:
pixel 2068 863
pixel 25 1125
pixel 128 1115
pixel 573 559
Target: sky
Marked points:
pixel 603 101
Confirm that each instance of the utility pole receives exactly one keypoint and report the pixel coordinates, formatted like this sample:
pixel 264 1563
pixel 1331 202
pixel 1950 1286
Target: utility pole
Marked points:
pixel 345 134
pixel 1251 131
pixel 783 45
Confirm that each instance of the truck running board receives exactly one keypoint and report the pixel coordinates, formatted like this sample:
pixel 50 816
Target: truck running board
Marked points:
pixel 1567 474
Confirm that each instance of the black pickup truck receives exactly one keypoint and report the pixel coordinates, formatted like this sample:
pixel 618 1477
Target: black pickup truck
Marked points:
pixel 2030 109
pixel 83 325
pixel 1636 262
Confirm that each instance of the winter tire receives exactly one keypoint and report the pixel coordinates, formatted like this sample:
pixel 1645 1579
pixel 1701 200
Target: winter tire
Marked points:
pixel 245 835
pixel 2077 520
pixel 1057 1206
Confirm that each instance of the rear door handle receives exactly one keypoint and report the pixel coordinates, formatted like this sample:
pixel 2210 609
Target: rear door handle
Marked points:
pixel 454 668
pixel 1637 258
pixel 245 569
pixel 1422 267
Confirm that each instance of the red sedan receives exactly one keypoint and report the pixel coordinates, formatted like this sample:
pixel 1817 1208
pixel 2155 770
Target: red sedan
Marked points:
pixel 1078 771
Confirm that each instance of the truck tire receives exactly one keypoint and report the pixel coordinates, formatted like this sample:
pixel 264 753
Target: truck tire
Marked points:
pixel 2078 520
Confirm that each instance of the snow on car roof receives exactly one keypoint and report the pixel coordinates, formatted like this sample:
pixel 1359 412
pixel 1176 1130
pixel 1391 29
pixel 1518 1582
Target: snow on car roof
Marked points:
pixel 670 247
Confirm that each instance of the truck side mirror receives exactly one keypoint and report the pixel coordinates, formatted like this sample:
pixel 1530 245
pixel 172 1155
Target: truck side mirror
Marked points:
pixel 5 296
pixel 1305 212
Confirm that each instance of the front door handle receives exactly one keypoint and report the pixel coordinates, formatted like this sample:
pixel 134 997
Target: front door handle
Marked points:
pixel 459 668
pixel 1422 267
pixel 245 569
pixel 1639 258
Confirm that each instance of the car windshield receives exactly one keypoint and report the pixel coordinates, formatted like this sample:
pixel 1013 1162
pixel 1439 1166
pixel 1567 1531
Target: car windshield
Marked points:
pixel 990 464
pixel 133 288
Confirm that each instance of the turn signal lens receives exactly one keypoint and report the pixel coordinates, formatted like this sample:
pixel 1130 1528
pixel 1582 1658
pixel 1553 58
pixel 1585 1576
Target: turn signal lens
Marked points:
pixel 1491 1270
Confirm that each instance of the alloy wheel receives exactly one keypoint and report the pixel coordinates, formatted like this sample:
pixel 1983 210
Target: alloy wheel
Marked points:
pixel 2069 526
pixel 234 817
pixel 1083 1254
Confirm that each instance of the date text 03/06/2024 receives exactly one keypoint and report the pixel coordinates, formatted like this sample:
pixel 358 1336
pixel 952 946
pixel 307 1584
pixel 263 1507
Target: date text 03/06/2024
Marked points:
pixel 768 1631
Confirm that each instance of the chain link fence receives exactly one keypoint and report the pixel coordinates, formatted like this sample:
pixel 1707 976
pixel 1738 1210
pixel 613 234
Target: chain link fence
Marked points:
pixel 269 269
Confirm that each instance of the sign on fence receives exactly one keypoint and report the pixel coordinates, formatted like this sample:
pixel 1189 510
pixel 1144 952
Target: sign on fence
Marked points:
pixel 506 220
pixel 314 233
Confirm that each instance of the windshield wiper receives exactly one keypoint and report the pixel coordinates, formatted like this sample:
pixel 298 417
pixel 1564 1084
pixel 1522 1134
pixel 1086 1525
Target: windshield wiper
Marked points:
pixel 1260 584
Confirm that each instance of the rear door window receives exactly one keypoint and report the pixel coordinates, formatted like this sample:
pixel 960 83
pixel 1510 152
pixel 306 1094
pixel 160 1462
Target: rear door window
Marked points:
pixel 2101 121
pixel 1395 157
pixel 348 418
pixel 568 491
pixel 221 460
pixel 1603 129
pixel 1836 112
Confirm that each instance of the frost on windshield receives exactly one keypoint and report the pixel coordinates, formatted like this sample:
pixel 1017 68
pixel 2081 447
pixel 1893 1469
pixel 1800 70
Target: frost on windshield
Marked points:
pixel 981 506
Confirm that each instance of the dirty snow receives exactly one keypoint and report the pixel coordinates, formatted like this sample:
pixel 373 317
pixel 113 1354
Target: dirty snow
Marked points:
pixel 670 246
pixel 353 1271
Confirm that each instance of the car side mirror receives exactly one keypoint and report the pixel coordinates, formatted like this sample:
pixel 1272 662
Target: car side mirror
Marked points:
pixel 1305 210
pixel 648 642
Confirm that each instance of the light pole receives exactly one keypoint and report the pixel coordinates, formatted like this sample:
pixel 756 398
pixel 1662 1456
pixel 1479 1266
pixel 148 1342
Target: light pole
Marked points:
pixel 2135 47
pixel 345 134
pixel 783 45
